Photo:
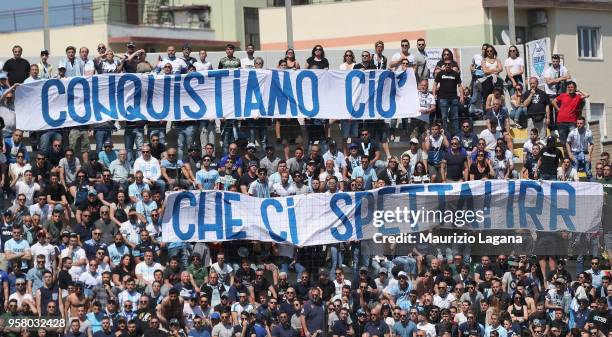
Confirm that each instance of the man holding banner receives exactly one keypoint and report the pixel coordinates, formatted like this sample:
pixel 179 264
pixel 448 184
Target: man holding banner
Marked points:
pixel 229 212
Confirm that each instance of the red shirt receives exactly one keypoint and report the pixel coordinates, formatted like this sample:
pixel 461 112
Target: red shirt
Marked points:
pixel 569 108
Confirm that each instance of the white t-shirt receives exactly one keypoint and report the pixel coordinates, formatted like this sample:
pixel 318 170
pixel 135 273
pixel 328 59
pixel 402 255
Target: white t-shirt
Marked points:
pixel 21 298
pixel 246 63
pixel 77 255
pixel 202 66
pixel 110 67
pixel 44 212
pixel 147 271
pixel 222 272
pixel 553 73
pixel 490 138
pixel 425 101
pixel 28 190
pixel 345 66
pixel 398 56
pixel 514 64
pixel 16 169
pixel 48 250
pixel 178 64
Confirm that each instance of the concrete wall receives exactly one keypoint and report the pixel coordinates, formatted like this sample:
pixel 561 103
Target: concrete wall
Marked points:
pixel 592 75
pixel 359 24
pixel 32 41
pixel 227 16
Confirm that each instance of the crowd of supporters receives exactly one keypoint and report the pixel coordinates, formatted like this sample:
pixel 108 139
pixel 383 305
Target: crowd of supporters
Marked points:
pixel 80 228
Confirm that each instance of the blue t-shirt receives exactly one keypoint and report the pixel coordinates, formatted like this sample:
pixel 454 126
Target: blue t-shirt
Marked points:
pixel 401 296
pixel 369 176
pixel 95 321
pixel 116 253
pixel 135 190
pixel 18 247
pixel 146 209
pixel 404 331
pixel 207 178
pixel 107 158
pixel 259 330
pixel 199 333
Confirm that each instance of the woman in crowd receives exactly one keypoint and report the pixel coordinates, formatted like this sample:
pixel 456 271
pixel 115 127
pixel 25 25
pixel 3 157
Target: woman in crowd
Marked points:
pixel 501 165
pixel 349 60
pixel 447 54
pixel 317 59
pixel 492 67
pixel 292 63
pixel 123 269
pixel 120 208
pixel 143 66
pixel 481 168
pixel 419 174
pixel 515 67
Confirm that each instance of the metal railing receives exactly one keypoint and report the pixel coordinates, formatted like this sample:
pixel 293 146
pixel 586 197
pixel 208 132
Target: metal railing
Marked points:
pixel 86 12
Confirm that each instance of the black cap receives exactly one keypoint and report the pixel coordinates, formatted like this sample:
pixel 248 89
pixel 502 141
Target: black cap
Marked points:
pixel 131 44
pixel 311 162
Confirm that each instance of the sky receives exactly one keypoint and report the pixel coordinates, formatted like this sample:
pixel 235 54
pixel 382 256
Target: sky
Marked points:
pixel 13 15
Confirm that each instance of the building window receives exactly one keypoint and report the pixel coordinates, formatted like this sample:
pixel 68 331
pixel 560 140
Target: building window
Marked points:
pixel 597 111
pixel 251 26
pixel 589 42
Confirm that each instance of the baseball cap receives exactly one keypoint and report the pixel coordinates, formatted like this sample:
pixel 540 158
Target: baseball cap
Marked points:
pixel 252 163
pixel 108 143
pixel 361 312
pixel 560 280
pixel 92 192
pixel 382 271
pixel 131 44
pixel 353 146
pixel 175 321
pixel 3 76
pixel 8 212
pixel 363 269
pixel 312 162
pixel 215 315
pixel 65 233
pixel 251 146
pixel 414 141
pixel 224 294
pixel 402 273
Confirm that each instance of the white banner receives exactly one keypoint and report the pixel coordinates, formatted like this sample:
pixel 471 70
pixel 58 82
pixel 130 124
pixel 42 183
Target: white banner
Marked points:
pixel 230 94
pixel 538 57
pixel 318 218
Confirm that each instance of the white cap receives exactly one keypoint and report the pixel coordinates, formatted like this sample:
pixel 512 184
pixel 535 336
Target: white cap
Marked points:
pixel 402 273
pixel 414 141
